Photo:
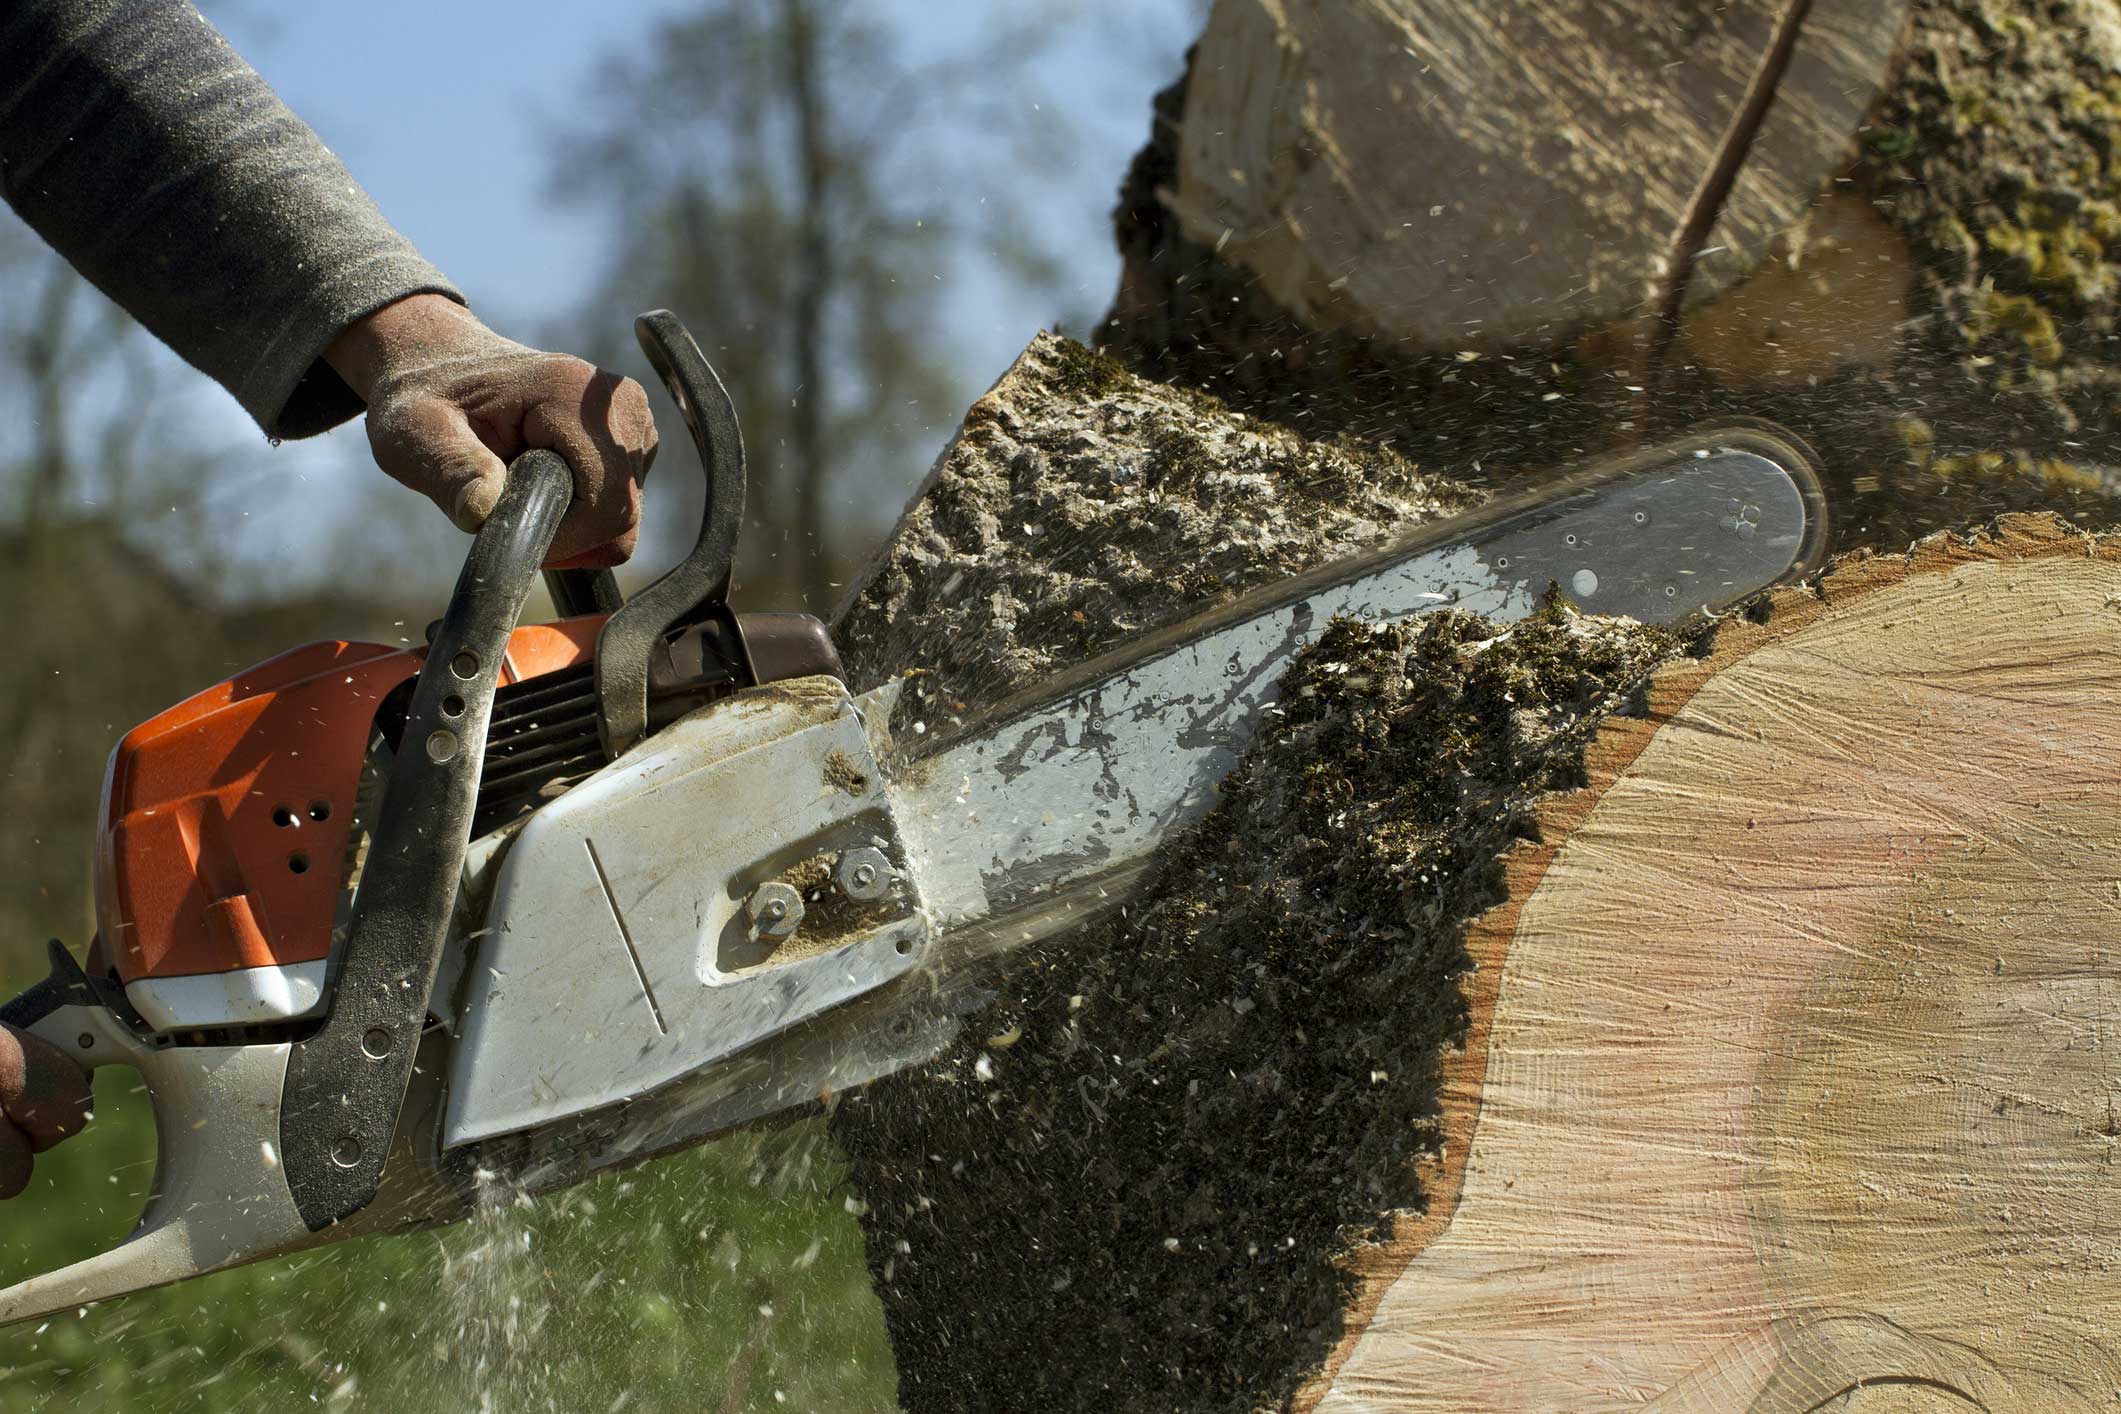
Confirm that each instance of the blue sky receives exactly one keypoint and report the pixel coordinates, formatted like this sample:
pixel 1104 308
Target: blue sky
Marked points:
pixel 443 110
pixel 446 113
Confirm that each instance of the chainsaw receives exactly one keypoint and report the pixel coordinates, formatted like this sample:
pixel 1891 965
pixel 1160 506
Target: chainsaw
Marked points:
pixel 390 929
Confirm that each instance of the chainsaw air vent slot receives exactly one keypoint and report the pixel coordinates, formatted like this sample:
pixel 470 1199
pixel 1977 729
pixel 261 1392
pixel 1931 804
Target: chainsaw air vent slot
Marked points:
pixel 543 731
pixel 543 735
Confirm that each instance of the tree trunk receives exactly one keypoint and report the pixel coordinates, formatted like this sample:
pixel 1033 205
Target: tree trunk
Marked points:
pixel 1575 1014
pixel 1934 317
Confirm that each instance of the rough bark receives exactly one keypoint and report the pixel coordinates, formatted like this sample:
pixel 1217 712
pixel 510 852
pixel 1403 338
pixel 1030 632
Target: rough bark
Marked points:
pixel 1079 506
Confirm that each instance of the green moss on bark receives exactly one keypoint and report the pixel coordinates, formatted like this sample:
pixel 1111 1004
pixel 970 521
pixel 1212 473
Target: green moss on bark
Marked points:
pixel 2002 173
pixel 1082 505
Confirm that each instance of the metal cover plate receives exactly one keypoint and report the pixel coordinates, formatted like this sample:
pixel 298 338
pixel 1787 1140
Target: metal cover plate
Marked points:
pixel 616 956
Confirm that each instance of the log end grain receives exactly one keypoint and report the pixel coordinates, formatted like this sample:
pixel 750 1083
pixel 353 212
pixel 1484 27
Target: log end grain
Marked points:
pixel 1787 1069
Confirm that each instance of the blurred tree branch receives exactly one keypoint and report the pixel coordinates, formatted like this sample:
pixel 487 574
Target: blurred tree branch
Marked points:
pixel 795 185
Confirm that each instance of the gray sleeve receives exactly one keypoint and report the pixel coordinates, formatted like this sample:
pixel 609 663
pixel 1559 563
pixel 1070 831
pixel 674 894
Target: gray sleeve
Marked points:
pixel 143 148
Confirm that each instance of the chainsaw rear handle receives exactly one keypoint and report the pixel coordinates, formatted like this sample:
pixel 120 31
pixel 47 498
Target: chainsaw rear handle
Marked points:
pixel 218 1198
pixel 65 985
pixel 262 1147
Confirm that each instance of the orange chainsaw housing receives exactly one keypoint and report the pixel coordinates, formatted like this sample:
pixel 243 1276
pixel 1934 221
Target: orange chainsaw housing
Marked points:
pixel 225 819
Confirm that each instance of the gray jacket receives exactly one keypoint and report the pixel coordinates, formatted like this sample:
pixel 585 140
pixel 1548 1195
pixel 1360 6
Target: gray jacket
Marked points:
pixel 136 142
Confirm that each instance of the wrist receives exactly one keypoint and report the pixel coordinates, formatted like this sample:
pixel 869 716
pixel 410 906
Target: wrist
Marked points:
pixel 369 350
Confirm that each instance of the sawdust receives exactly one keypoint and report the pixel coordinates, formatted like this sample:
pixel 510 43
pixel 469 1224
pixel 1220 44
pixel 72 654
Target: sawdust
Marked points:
pixel 1137 1202
pixel 842 774
pixel 1080 506
pixel 1995 152
pixel 812 877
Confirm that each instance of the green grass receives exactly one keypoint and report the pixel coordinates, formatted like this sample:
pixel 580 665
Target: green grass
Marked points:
pixel 727 1278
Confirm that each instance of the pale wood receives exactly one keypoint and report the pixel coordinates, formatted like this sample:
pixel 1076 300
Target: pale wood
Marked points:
pixel 1794 1076
pixel 1451 175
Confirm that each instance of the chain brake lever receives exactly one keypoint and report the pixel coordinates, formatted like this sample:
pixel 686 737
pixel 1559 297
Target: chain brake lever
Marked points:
pixel 697 587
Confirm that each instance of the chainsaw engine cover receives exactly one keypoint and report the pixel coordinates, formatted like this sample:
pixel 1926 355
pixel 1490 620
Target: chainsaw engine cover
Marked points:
pixel 228 839
pixel 733 875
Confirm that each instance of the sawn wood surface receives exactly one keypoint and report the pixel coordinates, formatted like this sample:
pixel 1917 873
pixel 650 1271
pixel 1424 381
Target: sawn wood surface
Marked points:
pixel 1447 175
pixel 1794 1074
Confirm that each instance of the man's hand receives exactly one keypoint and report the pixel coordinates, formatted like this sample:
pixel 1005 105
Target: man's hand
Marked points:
pixel 44 1097
pixel 450 403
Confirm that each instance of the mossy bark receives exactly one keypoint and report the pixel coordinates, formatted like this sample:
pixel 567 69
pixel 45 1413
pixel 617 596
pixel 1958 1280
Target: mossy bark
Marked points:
pixel 1990 157
pixel 1081 505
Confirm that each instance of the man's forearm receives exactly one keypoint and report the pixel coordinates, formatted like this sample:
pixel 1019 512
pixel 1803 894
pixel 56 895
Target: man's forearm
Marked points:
pixel 142 147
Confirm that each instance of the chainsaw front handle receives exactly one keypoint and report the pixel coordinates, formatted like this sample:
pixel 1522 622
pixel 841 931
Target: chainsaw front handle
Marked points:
pixel 346 1083
pixel 263 1148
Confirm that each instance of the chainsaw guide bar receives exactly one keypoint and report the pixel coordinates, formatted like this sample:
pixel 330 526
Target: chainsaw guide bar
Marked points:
pixel 615 885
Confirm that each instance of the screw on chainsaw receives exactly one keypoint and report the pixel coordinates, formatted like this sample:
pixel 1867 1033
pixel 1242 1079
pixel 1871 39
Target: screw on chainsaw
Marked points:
pixel 775 910
pixel 864 874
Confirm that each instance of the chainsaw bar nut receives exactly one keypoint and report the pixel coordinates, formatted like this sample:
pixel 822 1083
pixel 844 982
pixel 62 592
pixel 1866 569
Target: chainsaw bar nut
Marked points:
pixel 864 874
pixel 775 910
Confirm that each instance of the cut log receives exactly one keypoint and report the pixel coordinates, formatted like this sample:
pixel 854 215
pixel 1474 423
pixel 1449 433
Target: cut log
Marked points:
pixel 1572 1015
pixel 1455 176
pixel 1792 1068
pixel 1782 1073
pixel 1947 351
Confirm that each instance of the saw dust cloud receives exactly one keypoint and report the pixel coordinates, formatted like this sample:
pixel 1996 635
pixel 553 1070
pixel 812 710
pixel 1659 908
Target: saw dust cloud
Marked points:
pixel 728 1278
